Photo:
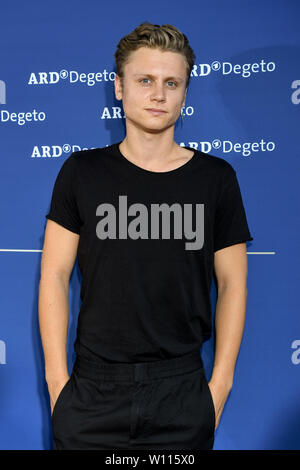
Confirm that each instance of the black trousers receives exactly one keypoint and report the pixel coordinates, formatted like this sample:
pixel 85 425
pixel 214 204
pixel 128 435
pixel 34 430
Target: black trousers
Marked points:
pixel 164 404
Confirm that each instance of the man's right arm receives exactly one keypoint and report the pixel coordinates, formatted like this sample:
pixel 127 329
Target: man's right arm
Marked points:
pixel 58 257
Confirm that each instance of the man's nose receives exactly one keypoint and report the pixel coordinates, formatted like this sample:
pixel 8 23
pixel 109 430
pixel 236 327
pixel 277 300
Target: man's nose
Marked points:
pixel 158 92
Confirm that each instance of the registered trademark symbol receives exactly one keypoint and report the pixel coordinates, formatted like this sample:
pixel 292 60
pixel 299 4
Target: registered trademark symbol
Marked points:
pixel 66 148
pixel 63 74
pixel 216 65
pixel 216 144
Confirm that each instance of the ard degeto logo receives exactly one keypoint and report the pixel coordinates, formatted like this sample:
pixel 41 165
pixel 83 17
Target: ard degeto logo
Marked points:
pixel 226 68
pixel 20 118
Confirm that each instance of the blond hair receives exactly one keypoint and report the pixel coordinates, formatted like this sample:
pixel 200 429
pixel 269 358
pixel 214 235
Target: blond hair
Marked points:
pixel 165 37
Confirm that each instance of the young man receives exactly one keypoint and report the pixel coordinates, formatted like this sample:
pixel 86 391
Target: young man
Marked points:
pixel 150 221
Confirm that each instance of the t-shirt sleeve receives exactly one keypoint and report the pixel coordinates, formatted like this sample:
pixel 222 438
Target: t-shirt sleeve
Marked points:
pixel 64 208
pixel 231 226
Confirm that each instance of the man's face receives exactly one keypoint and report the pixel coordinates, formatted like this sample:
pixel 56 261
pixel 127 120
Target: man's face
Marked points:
pixel 164 89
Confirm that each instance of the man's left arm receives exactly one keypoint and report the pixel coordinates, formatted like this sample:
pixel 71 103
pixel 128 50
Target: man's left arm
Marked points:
pixel 230 266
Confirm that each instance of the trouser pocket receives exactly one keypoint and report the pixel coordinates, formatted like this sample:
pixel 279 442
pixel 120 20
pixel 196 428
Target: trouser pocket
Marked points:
pixel 176 411
pixel 211 406
pixel 60 399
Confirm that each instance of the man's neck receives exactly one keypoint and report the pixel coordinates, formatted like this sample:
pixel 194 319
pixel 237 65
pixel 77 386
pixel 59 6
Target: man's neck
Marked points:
pixel 151 152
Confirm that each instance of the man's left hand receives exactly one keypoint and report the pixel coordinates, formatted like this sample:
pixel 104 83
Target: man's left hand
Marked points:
pixel 219 394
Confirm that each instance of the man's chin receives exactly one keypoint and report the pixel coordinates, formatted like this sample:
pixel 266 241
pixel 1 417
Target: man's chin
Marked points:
pixel 153 128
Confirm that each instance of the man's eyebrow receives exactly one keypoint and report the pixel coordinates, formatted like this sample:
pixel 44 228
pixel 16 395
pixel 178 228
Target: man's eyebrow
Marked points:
pixel 179 79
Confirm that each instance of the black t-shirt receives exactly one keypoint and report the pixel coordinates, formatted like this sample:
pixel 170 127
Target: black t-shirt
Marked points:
pixel 146 249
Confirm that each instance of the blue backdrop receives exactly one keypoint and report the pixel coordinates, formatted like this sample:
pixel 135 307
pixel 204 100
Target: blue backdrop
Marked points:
pixel 56 96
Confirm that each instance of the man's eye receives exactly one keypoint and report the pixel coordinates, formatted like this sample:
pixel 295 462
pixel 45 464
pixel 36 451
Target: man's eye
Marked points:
pixel 171 81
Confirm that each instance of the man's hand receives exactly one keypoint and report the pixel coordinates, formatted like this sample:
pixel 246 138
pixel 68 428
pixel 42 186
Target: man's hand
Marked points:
pixel 219 393
pixel 54 388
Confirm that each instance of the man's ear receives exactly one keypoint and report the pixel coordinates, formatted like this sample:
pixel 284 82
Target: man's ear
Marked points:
pixel 118 87
pixel 183 103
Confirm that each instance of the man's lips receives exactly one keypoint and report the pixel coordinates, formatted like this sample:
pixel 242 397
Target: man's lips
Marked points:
pixel 153 110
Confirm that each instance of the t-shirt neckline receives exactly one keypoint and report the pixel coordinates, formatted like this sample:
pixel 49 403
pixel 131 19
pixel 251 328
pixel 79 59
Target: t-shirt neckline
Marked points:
pixel 158 174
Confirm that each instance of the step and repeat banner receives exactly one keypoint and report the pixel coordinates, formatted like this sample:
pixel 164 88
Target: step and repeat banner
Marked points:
pixel 243 103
